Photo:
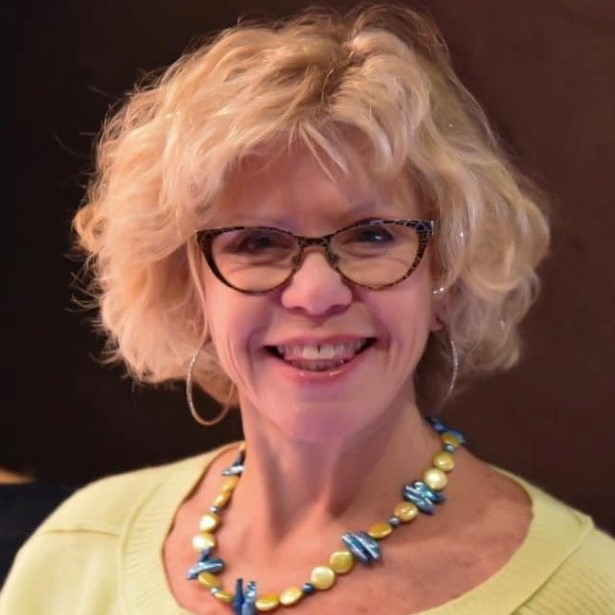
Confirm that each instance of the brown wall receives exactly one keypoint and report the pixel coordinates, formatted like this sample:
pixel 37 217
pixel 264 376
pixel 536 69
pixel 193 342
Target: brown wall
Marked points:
pixel 545 72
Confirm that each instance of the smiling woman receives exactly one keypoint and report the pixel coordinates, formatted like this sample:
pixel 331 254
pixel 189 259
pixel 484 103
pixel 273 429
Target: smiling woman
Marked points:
pixel 312 221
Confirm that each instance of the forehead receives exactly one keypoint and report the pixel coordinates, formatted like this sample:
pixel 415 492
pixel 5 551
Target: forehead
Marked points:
pixel 298 188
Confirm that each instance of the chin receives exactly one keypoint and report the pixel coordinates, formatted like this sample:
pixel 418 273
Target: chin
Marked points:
pixel 326 422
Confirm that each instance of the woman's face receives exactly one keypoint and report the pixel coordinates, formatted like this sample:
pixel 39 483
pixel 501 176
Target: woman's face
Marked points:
pixel 272 346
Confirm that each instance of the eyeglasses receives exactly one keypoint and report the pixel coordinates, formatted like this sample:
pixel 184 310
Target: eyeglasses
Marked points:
pixel 373 254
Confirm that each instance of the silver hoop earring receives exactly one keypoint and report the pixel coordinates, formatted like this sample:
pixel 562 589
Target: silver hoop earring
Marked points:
pixel 454 363
pixel 193 411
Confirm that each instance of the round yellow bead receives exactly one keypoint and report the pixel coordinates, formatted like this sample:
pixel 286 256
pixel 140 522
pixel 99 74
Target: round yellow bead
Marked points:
pixel 341 562
pixel 222 499
pixel 406 511
pixel 435 478
pixel 444 461
pixel 291 596
pixel 449 438
pixel 209 522
pixel 210 580
pixel 322 577
pixel 230 482
pixel 380 530
pixel 267 602
pixel 203 540
pixel 223 596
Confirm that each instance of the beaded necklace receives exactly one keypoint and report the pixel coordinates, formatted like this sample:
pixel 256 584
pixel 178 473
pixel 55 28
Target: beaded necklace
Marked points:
pixel 420 496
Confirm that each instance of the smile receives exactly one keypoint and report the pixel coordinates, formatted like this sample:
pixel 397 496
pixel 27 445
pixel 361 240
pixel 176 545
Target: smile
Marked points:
pixel 320 357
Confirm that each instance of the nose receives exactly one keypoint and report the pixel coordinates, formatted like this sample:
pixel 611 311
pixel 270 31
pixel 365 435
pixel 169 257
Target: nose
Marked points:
pixel 316 288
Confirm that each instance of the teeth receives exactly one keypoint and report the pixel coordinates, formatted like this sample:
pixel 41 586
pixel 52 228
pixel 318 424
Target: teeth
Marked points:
pixel 317 366
pixel 324 352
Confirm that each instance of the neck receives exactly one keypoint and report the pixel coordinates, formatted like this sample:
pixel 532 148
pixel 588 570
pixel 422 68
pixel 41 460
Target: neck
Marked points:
pixel 292 486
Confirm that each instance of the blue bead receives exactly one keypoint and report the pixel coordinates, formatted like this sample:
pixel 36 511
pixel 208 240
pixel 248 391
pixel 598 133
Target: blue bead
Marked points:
pixel 244 603
pixel 394 521
pixel 365 548
pixel 458 434
pixel 437 424
pixel 249 603
pixel 238 599
pixel 426 491
pixel 205 553
pixel 449 448
pixel 424 505
pixel 214 566
pixel 441 427
pixel 195 571
pixel 356 549
pixel 308 588
pixel 233 470
pixel 203 565
pixel 237 465
pixel 215 509
pixel 423 497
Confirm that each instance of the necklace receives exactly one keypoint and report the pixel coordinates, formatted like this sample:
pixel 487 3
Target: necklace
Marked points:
pixel 419 496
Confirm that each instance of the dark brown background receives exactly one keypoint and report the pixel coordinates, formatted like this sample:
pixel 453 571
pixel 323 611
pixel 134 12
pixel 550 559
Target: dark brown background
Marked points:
pixel 545 72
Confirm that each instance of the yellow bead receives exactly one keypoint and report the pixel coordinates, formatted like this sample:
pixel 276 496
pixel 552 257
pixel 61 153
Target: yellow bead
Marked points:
pixel 380 530
pixel 291 596
pixel 435 478
pixel 322 577
pixel 222 499
pixel 449 438
pixel 267 602
pixel 209 522
pixel 224 596
pixel 445 461
pixel 203 540
pixel 230 482
pixel 210 580
pixel 341 562
pixel 406 511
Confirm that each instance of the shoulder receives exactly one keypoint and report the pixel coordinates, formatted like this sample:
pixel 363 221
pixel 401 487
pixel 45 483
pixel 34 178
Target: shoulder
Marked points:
pixel 583 583
pixel 572 562
pixel 75 556
pixel 106 504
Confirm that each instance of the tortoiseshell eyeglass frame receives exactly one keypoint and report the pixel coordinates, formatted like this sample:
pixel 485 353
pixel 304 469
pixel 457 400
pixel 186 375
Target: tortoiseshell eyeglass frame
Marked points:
pixel 424 229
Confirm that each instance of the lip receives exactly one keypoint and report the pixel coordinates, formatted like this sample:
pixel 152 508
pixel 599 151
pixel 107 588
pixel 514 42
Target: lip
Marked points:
pixel 325 376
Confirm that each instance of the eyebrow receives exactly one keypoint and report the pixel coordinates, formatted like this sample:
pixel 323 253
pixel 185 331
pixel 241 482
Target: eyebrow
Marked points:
pixel 356 213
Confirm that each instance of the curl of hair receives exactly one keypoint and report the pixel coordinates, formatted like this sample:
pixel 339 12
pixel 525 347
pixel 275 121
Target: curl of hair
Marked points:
pixel 382 73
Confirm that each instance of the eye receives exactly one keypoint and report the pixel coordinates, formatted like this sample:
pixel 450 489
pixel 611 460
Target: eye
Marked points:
pixel 256 242
pixel 369 234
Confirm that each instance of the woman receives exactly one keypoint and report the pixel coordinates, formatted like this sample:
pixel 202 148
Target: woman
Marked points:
pixel 312 221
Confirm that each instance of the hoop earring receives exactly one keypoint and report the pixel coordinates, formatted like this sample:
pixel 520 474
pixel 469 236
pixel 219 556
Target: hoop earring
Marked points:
pixel 193 411
pixel 454 362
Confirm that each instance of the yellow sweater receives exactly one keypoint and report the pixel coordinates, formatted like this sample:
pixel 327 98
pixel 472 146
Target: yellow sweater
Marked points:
pixel 100 554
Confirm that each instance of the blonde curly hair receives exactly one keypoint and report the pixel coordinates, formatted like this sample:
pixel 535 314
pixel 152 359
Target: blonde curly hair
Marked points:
pixel 382 73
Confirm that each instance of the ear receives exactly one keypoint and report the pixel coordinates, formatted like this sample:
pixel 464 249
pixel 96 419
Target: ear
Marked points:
pixel 437 309
pixel 435 324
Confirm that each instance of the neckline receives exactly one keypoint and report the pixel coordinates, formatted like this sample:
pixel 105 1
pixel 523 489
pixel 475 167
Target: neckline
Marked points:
pixel 554 532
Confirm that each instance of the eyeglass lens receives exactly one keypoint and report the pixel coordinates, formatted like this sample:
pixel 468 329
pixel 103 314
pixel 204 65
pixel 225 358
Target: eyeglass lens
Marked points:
pixel 260 259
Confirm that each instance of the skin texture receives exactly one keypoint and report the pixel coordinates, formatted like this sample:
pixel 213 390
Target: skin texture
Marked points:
pixel 318 306
pixel 328 452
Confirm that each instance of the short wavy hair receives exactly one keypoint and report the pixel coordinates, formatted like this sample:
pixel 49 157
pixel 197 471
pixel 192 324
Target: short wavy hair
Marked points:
pixel 380 73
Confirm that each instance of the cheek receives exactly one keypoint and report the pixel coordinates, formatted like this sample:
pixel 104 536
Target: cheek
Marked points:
pixel 406 315
pixel 220 315
pixel 234 321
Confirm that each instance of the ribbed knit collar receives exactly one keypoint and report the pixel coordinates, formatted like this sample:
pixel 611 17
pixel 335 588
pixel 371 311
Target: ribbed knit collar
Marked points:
pixel 554 533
